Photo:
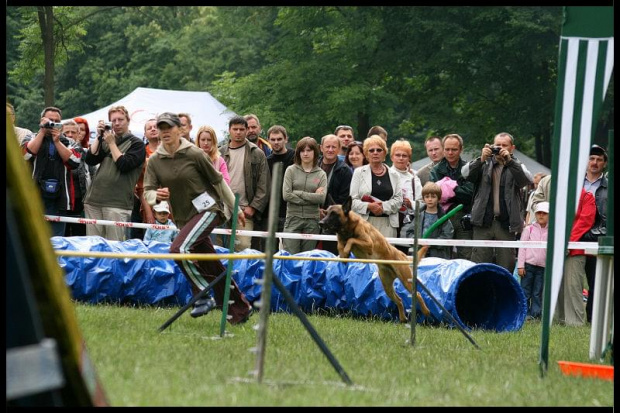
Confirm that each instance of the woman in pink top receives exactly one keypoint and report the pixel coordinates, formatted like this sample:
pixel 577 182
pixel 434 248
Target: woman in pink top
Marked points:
pixel 531 261
pixel 207 141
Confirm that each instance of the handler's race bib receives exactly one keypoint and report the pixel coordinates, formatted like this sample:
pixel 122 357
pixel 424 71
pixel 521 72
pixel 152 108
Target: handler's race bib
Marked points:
pixel 203 202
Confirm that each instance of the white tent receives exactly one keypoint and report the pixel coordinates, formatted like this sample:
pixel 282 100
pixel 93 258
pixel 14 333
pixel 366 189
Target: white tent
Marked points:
pixel 146 103
pixel 531 164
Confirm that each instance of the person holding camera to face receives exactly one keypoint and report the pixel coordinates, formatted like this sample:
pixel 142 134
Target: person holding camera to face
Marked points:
pixel 51 154
pixel 498 211
pixel 120 156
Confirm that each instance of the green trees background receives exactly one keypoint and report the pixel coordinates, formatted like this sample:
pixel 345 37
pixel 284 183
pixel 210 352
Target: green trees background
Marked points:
pixel 414 70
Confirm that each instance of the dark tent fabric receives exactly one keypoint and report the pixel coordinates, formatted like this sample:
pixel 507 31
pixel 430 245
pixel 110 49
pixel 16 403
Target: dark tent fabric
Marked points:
pixel 483 296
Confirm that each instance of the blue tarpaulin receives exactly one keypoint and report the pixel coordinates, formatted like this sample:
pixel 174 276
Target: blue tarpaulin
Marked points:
pixel 483 296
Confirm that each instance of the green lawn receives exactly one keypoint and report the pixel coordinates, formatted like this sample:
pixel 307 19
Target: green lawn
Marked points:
pixel 189 364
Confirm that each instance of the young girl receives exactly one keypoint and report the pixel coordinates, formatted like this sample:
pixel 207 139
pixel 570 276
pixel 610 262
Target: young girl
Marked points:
pixel 430 213
pixel 304 189
pixel 162 216
pixel 531 261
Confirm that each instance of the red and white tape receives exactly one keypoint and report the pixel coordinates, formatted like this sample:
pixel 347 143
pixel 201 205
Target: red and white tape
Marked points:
pixel 590 247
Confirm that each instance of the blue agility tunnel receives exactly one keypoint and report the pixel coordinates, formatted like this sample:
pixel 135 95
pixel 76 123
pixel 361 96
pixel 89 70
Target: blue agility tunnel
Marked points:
pixel 478 296
pixel 483 296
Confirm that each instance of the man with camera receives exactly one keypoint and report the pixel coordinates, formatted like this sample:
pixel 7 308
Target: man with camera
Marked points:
pixel 498 211
pixel 120 156
pixel 52 155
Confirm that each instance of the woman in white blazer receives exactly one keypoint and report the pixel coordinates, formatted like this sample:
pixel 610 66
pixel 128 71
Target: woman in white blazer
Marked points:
pixel 376 189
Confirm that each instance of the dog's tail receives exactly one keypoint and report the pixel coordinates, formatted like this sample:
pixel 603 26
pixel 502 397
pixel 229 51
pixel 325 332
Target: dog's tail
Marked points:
pixel 422 252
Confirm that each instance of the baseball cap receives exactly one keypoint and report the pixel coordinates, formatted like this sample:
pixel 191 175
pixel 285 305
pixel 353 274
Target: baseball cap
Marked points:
pixel 170 118
pixel 162 207
pixel 542 207
pixel 598 150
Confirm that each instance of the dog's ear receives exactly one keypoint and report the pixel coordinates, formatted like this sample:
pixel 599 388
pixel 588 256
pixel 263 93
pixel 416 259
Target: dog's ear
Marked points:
pixel 346 207
pixel 330 200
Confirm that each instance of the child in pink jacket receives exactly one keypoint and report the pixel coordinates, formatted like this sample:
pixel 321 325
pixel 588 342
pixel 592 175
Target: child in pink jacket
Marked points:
pixel 531 261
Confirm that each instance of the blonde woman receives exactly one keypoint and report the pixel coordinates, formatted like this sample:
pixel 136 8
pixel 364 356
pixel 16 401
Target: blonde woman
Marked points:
pixel 400 154
pixel 376 189
pixel 206 139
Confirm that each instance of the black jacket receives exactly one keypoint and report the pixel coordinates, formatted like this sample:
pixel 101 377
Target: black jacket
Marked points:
pixel 48 164
pixel 599 228
pixel 287 160
pixel 338 183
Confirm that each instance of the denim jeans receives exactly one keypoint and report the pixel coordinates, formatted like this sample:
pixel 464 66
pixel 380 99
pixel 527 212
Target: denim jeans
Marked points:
pixel 532 284
pixel 51 208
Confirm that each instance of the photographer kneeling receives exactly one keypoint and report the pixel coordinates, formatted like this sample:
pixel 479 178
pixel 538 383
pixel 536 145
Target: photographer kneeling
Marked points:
pixel 497 212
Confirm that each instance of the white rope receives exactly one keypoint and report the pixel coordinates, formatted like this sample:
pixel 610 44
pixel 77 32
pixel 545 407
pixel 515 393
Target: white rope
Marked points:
pixel 590 247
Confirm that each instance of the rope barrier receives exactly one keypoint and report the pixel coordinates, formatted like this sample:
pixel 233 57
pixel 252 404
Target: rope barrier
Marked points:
pixel 591 247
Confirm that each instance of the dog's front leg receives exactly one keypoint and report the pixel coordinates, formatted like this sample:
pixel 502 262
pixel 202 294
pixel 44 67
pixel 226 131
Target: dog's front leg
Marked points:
pixel 342 250
pixel 365 244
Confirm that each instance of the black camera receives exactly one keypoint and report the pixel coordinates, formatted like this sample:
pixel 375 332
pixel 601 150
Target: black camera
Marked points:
pixel 495 150
pixel 52 125
pixel 107 126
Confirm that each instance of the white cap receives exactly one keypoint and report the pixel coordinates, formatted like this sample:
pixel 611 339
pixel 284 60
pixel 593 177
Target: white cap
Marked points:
pixel 162 207
pixel 542 207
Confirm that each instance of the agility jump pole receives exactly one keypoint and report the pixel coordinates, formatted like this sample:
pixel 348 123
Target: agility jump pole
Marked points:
pixel 191 302
pixel 229 268
pixel 265 299
pixel 264 303
pixel 441 220
pixel 414 272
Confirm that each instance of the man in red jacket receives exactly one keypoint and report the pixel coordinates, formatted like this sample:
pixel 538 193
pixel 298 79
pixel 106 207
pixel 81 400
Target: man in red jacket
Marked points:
pixel 570 309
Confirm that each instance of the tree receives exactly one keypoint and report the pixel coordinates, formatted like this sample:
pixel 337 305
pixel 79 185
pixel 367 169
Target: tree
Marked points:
pixel 60 30
pixel 414 70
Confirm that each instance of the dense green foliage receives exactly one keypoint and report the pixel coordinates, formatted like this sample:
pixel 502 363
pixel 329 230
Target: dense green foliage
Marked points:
pixel 416 71
pixel 189 364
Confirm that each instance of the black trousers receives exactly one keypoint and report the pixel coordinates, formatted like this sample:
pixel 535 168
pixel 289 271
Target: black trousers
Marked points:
pixel 590 276
pixel 195 237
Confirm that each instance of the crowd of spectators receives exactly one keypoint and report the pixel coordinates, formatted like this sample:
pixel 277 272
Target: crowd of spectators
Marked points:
pixel 106 176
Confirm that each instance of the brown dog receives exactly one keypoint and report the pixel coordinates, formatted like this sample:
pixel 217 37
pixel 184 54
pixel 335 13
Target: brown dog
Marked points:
pixel 356 235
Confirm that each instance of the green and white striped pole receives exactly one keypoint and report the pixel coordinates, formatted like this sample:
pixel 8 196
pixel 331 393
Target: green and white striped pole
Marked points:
pixel 585 65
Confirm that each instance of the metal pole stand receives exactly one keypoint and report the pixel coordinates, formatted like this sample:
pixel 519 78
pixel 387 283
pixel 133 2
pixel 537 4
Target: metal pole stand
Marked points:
pixel 603 304
pixel 269 279
pixel 195 298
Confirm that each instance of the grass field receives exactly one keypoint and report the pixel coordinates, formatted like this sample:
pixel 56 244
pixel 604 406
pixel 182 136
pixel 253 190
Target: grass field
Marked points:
pixel 190 365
